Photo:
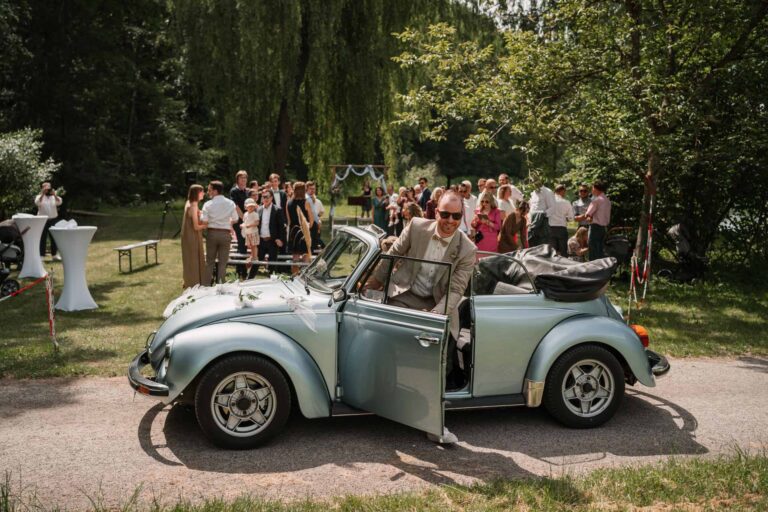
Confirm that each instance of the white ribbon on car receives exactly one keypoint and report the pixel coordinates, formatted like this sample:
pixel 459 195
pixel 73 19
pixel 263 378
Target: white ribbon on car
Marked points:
pixel 305 314
pixel 243 296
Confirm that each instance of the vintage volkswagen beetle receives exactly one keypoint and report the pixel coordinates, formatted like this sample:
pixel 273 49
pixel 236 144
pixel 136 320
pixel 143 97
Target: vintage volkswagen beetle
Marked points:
pixel 244 354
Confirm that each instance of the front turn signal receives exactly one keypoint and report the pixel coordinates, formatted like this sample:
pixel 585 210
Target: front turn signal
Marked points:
pixel 641 333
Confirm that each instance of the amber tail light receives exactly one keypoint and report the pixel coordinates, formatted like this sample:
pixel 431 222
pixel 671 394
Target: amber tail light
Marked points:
pixel 641 333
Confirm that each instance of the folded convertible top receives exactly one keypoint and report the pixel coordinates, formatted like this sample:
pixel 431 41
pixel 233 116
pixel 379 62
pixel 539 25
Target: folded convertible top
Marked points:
pixel 559 278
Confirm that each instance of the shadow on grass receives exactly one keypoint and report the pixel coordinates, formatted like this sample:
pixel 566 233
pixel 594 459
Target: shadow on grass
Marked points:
pixel 489 441
pixel 45 361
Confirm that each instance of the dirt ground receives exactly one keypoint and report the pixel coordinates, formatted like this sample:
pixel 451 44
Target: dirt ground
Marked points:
pixel 70 439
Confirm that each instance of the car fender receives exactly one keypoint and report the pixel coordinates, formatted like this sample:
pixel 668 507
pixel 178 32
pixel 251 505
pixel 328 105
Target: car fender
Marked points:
pixel 583 329
pixel 193 350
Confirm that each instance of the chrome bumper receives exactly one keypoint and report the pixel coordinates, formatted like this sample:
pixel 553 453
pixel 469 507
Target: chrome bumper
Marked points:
pixel 142 384
pixel 658 363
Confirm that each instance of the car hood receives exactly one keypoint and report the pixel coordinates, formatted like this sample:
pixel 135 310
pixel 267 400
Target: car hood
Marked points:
pixel 207 305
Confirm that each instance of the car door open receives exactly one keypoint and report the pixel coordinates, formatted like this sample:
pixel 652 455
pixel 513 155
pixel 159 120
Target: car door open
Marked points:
pixel 392 358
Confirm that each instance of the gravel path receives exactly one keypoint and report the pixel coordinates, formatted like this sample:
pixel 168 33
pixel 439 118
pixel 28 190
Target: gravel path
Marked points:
pixel 68 440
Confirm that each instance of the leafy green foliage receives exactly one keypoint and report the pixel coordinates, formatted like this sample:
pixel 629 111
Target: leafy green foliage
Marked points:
pixel 635 91
pixel 104 84
pixel 314 73
pixel 22 169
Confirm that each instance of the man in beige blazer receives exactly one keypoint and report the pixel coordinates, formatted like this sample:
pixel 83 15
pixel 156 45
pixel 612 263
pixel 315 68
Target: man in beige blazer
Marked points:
pixel 424 287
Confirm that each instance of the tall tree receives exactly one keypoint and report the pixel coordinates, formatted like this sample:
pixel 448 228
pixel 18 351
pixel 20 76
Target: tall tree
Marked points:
pixel 314 71
pixel 101 80
pixel 628 85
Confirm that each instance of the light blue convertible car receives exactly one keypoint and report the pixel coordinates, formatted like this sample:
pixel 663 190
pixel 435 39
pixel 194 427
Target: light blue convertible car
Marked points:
pixel 244 355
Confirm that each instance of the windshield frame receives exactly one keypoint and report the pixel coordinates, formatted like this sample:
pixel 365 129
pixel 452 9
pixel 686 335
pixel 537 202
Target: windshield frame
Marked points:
pixel 372 249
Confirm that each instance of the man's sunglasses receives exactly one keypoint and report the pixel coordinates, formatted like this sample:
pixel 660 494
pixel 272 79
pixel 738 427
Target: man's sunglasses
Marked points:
pixel 445 215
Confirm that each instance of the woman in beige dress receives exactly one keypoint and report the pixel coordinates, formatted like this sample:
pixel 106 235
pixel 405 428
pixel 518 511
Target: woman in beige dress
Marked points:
pixel 192 253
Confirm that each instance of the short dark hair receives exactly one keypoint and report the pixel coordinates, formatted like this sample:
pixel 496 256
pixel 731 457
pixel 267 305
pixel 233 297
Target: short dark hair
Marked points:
pixel 600 185
pixel 217 186
pixel 422 178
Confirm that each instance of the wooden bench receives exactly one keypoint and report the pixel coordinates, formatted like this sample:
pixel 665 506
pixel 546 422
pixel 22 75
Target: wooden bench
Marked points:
pixel 125 250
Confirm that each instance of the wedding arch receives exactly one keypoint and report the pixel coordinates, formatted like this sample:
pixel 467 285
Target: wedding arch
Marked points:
pixel 377 173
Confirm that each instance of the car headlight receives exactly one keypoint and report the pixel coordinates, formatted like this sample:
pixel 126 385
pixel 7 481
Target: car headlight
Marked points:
pixel 163 370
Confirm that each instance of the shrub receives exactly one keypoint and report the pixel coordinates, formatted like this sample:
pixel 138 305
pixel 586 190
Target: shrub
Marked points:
pixel 22 169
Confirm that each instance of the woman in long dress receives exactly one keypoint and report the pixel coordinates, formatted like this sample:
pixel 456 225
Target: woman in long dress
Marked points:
pixel 487 222
pixel 192 253
pixel 380 203
pixel 296 240
pixel 514 234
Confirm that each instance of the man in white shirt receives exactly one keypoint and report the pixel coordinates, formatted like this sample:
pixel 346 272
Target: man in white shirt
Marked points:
pixel 47 203
pixel 470 204
pixel 220 213
pixel 560 214
pixel 542 201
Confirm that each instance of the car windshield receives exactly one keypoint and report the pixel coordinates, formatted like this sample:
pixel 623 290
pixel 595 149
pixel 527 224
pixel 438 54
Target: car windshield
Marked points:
pixel 331 268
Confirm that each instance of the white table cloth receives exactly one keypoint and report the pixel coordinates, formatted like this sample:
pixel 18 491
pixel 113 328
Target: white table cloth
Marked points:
pixel 73 245
pixel 33 263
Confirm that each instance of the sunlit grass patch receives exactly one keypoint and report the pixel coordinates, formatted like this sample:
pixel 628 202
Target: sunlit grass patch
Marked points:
pixel 736 482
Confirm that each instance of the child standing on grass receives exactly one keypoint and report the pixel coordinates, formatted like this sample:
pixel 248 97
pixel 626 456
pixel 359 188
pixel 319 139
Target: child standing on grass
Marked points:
pixel 250 230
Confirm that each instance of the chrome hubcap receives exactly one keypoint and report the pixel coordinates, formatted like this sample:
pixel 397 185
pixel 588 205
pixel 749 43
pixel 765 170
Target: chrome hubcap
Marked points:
pixel 588 388
pixel 243 404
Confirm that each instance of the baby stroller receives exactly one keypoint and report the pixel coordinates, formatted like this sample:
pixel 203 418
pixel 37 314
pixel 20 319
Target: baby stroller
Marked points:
pixel 11 251
pixel 690 266
pixel 618 245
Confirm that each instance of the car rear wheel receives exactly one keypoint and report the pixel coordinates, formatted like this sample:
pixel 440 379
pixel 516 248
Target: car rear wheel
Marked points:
pixel 242 401
pixel 584 387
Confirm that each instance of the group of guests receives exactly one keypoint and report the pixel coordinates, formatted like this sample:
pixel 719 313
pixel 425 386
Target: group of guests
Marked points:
pixel 501 219
pixel 266 220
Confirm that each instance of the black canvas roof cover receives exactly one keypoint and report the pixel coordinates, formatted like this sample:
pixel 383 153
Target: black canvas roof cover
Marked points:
pixel 559 278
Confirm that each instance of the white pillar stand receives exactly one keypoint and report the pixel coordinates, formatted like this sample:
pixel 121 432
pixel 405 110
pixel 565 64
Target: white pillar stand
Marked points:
pixel 33 263
pixel 73 245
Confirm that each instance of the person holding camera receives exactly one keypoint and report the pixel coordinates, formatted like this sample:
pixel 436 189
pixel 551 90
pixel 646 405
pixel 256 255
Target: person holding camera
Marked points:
pixel 48 202
pixel 487 223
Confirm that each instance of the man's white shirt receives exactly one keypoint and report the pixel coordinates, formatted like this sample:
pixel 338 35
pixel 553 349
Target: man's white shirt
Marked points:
pixel 266 213
pixel 542 200
pixel 317 206
pixel 276 197
pixel 47 205
pixel 560 213
pixel 424 282
pixel 220 213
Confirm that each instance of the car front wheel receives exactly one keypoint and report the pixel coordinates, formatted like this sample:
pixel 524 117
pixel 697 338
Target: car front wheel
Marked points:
pixel 242 401
pixel 584 387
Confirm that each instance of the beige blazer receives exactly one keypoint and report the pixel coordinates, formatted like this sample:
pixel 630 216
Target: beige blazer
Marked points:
pixel 460 252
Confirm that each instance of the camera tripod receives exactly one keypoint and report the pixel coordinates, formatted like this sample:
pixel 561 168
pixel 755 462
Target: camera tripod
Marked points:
pixel 168 211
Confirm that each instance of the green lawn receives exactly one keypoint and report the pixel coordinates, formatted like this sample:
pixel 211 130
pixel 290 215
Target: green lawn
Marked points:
pixel 706 319
pixel 738 482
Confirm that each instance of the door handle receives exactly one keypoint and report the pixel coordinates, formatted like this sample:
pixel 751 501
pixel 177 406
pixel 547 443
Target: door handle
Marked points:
pixel 425 341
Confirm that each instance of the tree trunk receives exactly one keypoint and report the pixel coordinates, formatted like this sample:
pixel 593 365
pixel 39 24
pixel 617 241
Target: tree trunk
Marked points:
pixel 282 139
pixel 649 190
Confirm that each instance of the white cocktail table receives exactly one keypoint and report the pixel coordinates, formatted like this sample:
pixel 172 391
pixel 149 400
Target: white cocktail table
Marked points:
pixel 33 225
pixel 73 245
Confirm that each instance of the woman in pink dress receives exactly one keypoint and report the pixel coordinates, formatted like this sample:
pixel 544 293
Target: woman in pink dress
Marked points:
pixel 487 223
